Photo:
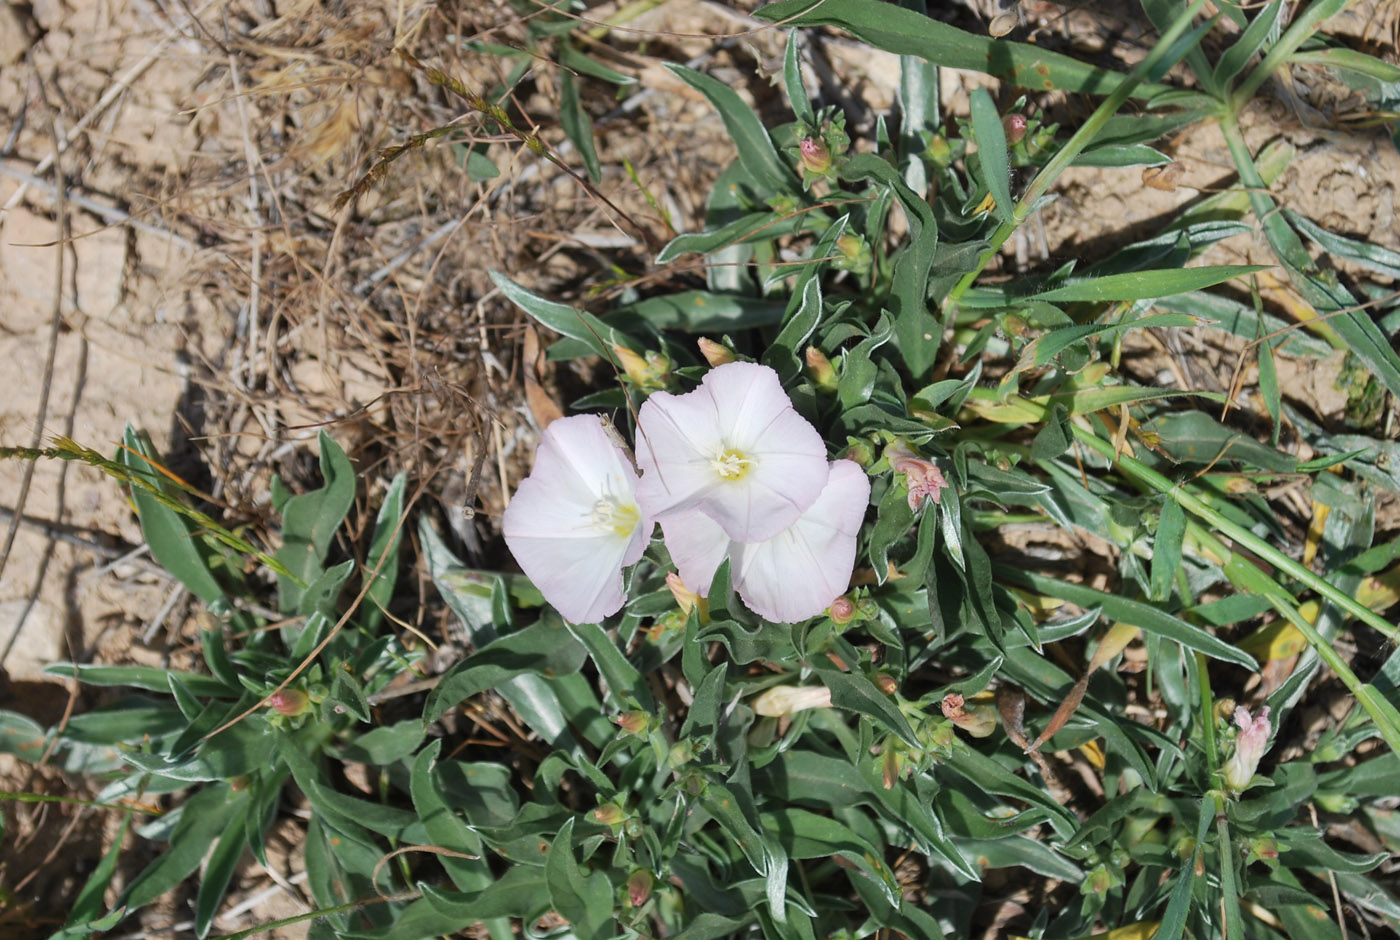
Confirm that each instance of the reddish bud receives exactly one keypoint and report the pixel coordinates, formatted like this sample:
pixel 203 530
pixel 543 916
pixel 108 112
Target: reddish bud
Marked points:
pixel 639 885
pixel 633 722
pixel 842 610
pixel 886 683
pixel 289 702
pixel 609 814
pixel 815 157
pixel 1015 127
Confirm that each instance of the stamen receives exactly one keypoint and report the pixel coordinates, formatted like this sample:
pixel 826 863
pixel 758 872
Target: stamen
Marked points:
pixel 731 464
pixel 622 518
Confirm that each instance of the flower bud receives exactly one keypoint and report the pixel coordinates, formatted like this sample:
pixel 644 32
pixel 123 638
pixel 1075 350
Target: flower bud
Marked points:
pixel 1014 125
pixel 977 720
pixel 922 477
pixel 639 885
pixel 939 151
pixel 814 157
pixel 686 599
pixel 860 451
pixel 842 611
pixel 716 354
pixel 634 722
pixel 649 372
pixel 891 764
pixel 783 700
pixel 289 702
pixel 680 754
pixel 1263 849
pixel 609 814
pixel 1250 745
pixel 820 370
pixel 853 253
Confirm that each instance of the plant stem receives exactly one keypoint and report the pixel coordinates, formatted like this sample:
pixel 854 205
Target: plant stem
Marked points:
pixel 1072 148
pixel 1297 33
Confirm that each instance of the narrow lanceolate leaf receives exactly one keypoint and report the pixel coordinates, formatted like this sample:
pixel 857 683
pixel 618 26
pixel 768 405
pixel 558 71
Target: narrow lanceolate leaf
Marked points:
pixel 991 151
pixel 1145 285
pixel 1144 616
pixel 905 32
pixel 756 151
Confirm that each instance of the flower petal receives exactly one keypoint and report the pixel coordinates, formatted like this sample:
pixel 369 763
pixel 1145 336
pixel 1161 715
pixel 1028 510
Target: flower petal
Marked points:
pixel 740 408
pixel 697 545
pixel 574 522
pixel 798 573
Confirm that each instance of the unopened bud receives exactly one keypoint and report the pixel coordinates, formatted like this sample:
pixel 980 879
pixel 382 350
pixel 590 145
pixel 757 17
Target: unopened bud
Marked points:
pixel 1263 849
pixel 861 451
pixel 842 610
pixel 939 151
pixel 814 157
pixel 853 253
pixel 977 720
pixel 716 354
pixel 891 763
pixel 1250 745
pixel 634 722
pixel 289 702
pixel 782 700
pixel 819 369
pixel 1014 125
pixel 680 754
pixel 886 683
pixel 609 814
pixel 686 599
pixel 639 887
pixel 649 372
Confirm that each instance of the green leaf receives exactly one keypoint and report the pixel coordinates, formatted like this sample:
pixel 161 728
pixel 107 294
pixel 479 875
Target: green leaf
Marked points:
pixel 1261 30
pixel 700 311
pixel 585 901
pixel 443 825
pixel 1145 285
pixel 857 693
pixel 804 310
pixel 577 125
pixel 792 83
pixel 1044 348
pixel 1166 550
pixel 565 320
pixel 1375 257
pixel 309 523
pixel 172 538
pixel 1144 616
pixel 203 818
pixel 905 32
pixel 542 649
pixel 1122 155
pixel 22 736
pixel 142 677
pixel 756 151
pixel 990 138
pixel 384 554
pixel 1194 437
pixel 753 226
pixel 218 871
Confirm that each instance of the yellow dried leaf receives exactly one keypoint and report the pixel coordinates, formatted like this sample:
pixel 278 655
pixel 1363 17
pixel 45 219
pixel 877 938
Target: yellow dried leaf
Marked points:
pixel 1380 591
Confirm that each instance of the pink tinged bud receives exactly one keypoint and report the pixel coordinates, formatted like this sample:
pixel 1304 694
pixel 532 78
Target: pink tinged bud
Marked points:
pixel 716 354
pixel 634 722
pixel 1014 126
pixel 639 885
pixel 609 814
pixel 819 369
pixel 815 157
pixel 842 610
pixel 923 478
pixel 886 683
pixel 977 720
pixel 685 597
pixel 289 702
pixel 1250 745
pixel 784 700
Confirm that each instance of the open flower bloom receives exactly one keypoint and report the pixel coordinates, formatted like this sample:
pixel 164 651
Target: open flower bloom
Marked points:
pixel 792 576
pixel 733 449
pixel 1250 745
pixel 574 523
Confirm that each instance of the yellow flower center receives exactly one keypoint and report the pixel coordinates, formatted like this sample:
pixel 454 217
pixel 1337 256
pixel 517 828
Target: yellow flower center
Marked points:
pixel 622 518
pixel 731 464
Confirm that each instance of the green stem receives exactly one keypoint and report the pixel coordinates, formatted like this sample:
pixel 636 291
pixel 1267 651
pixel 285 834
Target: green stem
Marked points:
pixel 1072 148
pixel 1229 889
pixel 1237 533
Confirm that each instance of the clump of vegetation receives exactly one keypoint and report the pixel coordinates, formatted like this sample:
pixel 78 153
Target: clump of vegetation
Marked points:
pixel 757 750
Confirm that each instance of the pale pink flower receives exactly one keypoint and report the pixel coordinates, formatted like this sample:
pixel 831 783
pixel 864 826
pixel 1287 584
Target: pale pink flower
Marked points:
pixel 1250 745
pixel 733 449
pixel 977 720
pixel 575 522
pixel 922 477
pixel 783 700
pixel 797 573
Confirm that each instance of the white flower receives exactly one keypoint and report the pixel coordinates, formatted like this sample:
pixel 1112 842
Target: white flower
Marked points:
pixel 783 700
pixel 797 573
pixel 575 522
pixel 1250 745
pixel 733 449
